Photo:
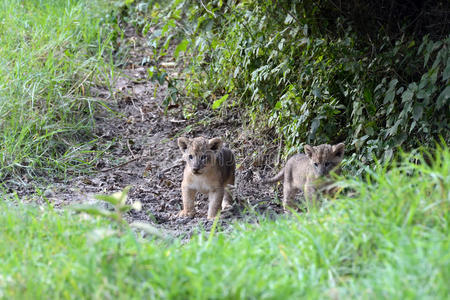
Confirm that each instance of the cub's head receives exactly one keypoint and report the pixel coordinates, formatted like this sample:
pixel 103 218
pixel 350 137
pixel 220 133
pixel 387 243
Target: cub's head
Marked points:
pixel 199 153
pixel 324 158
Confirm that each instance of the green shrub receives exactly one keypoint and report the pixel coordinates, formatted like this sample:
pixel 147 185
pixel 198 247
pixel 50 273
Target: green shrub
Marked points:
pixel 314 72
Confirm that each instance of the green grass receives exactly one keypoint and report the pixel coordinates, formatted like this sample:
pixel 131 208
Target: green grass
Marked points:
pixel 391 241
pixel 51 52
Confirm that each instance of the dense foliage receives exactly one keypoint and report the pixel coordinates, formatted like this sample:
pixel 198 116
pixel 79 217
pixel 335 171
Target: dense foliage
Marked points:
pixel 374 74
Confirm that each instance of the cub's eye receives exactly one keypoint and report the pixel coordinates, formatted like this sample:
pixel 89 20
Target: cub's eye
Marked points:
pixel 327 164
pixel 204 157
pixel 190 156
pixel 316 164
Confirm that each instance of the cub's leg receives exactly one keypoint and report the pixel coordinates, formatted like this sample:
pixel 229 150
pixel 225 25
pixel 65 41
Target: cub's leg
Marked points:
pixel 215 202
pixel 227 199
pixel 310 194
pixel 188 202
pixel 228 196
pixel 289 193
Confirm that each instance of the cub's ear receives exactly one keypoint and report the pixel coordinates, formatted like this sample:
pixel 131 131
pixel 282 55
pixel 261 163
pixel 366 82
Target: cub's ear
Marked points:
pixel 183 143
pixel 308 150
pixel 338 150
pixel 215 144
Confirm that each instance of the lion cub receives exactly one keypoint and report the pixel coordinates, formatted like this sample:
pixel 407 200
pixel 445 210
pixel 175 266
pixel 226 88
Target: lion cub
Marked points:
pixel 210 167
pixel 306 172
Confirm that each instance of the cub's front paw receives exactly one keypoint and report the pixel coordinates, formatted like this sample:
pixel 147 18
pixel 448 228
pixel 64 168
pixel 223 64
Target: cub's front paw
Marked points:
pixel 226 205
pixel 184 213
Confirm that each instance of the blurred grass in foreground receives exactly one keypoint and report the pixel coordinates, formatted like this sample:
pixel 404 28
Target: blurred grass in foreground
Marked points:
pixel 390 241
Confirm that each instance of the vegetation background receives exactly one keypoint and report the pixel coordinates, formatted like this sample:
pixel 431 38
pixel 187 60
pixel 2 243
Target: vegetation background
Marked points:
pixel 374 74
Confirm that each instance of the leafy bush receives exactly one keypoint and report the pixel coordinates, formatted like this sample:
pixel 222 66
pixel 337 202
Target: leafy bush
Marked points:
pixel 317 72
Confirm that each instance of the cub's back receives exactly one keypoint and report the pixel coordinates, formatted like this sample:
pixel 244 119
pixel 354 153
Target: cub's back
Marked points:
pixel 297 166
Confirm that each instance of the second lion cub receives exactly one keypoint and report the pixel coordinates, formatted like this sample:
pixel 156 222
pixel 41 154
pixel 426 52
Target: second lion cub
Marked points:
pixel 210 167
pixel 304 172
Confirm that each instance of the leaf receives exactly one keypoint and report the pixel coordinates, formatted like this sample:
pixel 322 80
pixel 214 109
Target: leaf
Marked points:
pixel 428 50
pixel 149 229
pixel 218 103
pixel 411 44
pixel 443 98
pixel 151 72
pixel 116 198
pixel 421 94
pixel 108 198
pixel 289 19
pixel 316 93
pixel 413 87
pixel 315 125
pixel 413 125
pixel 423 81
pixel 376 88
pixel 277 105
pixel 281 44
pixel 400 90
pixel 236 72
pixel 92 210
pixel 407 95
pixel 181 47
pixel 141 7
pixel 359 142
pixel 433 75
pixel 393 83
pixel 423 44
pixel 100 234
pixel 417 111
pixel 161 77
pixel 124 208
pixel 390 94
pixel 393 130
pixel 388 154
pixel 446 73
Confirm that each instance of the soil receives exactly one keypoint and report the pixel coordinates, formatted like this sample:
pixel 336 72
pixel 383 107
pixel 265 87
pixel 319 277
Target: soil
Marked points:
pixel 145 156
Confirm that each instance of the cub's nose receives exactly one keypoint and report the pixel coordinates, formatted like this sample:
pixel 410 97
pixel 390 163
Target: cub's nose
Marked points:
pixel 195 170
pixel 322 172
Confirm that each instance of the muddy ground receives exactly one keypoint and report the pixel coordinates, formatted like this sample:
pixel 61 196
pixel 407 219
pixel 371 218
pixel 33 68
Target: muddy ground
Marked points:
pixel 145 155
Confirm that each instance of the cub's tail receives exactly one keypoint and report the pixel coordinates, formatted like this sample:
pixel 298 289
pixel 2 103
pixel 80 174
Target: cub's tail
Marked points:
pixel 277 177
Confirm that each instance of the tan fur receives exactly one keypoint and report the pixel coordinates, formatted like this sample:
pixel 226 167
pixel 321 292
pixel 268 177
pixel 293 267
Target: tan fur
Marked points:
pixel 308 172
pixel 210 167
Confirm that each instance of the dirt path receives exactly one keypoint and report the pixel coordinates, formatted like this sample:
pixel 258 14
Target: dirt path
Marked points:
pixel 145 154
